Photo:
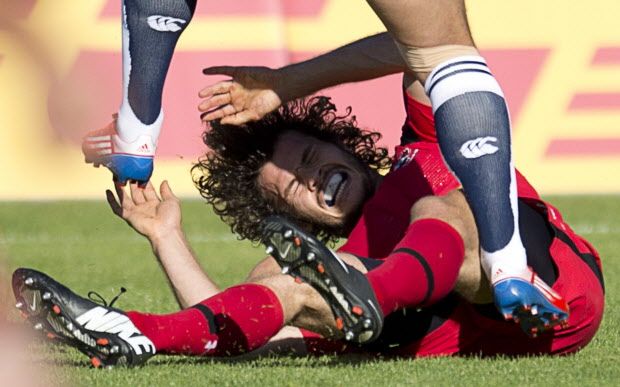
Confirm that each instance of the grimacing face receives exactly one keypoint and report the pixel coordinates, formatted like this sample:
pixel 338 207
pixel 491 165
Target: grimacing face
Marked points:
pixel 318 180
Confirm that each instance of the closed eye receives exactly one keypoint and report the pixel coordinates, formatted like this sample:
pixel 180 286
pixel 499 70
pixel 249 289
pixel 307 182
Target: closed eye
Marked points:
pixel 291 188
pixel 308 156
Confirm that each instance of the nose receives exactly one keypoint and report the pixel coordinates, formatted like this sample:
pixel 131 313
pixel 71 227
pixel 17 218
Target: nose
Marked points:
pixel 309 177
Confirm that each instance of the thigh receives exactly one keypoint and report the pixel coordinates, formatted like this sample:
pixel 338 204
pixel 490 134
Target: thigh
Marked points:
pixel 424 23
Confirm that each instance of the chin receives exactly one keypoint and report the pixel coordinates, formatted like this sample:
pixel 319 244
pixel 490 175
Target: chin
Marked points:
pixel 351 216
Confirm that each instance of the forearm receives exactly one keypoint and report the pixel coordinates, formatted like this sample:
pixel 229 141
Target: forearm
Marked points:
pixel 188 280
pixel 368 58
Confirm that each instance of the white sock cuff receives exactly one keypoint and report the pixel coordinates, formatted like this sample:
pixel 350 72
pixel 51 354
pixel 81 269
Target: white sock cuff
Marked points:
pixel 458 76
pixel 510 259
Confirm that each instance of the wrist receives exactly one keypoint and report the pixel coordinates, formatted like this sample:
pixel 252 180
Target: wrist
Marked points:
pixel 162 237
pixel 293 82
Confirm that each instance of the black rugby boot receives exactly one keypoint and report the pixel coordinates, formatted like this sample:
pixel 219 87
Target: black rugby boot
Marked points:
pixel 105 334
pixel 344 288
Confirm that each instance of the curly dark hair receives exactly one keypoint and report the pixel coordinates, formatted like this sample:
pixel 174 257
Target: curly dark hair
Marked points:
pixel 227 175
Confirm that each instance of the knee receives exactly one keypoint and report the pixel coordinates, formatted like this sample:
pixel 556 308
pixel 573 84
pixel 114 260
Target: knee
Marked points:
pixel 435 207
pixel 265 268
pixel 452 209
pixel 296 299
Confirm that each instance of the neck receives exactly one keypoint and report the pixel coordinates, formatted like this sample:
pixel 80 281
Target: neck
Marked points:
pixel 375 181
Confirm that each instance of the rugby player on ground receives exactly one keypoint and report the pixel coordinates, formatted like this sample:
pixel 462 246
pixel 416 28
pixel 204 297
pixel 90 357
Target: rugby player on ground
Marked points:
pixel 255 91
pixel 473 130
pixel 433 39
pixel 411 231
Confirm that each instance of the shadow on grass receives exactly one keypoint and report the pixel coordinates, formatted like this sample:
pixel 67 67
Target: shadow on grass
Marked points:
pixel 67 357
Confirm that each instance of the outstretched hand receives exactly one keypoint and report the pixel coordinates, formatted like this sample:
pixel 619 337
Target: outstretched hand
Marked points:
pixel 252 93
pixel 145 211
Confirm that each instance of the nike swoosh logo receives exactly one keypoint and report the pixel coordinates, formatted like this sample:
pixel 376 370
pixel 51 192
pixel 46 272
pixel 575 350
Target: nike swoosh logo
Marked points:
pixel 285 254
pixel 33 305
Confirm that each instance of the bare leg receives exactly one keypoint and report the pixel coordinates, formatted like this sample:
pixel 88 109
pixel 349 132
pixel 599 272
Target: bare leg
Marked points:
pixel 473 127
pixel 471 283
pixel 303 306
pixel 424 23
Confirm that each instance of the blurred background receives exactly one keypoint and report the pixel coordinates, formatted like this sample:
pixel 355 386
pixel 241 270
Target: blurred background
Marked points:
pixel 60 75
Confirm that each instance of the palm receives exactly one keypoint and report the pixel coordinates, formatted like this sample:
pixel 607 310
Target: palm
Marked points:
pixel 148 217
pixel 250 95
pixel 145 212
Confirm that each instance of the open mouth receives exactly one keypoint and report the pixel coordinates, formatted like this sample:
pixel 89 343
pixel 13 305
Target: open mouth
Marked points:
pixel 334 187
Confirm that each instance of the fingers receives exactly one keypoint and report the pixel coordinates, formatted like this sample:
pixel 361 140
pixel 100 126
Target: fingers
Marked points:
pixel 218 88
pixel 149 192
pixel 221 70
pixel 166 191
pixel 215 101
pixel 114 205
pixel 122 196
pixel 124 205
pixel 125 200
pixel 212 115
pixel 240 118
pixel 226 110
pixel 137 193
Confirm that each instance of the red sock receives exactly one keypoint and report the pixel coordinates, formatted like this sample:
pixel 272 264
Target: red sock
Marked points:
pixel 422 269
pixel 238 320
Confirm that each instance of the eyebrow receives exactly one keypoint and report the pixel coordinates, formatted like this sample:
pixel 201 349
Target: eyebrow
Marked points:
pixel 306 154
pixel 304 160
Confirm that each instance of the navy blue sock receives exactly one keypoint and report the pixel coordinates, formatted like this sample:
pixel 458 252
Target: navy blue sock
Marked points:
pixel 151 29
pixel 473 129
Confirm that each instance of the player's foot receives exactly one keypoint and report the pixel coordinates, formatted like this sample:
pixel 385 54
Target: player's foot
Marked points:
pixel 345 289
pixel 128 161
pixel 104 334
pixel 530 302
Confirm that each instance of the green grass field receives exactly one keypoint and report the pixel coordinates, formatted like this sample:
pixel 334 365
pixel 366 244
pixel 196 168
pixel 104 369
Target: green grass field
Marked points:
pixel 84 246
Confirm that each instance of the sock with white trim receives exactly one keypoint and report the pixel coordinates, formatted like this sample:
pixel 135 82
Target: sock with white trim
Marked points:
pixel 151 29
pixel 473 128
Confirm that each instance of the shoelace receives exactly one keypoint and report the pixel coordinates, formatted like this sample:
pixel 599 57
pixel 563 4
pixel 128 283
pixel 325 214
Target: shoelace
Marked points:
pixel 97 298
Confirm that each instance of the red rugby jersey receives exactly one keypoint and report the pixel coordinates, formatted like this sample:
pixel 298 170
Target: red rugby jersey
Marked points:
pixel 418 170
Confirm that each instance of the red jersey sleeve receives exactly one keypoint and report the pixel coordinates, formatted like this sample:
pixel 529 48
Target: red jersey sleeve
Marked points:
pixel 419 171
